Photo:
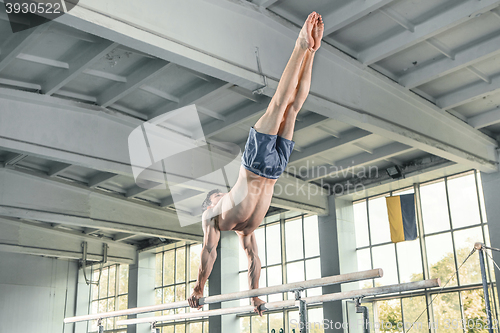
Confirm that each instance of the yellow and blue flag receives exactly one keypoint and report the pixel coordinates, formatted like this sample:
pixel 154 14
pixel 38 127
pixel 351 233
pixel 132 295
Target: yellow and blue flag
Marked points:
pixel 402 219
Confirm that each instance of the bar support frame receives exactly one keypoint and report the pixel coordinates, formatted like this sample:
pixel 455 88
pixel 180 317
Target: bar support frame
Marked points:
pixel 480 248
pixel 302 311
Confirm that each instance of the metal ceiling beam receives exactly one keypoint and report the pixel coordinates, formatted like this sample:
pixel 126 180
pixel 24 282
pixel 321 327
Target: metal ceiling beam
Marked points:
pixel 89 231
pixel 483 50
pixel 351 12
pixel 73 33
pixel 329 131
pixel 310 121
pixel 185 195
pixel 128 111
pixel 199 75
pixel 18 42
pixel 135 191
pixel 408 137
pixel 328 144
pixel 13 158
pixel 122 236
pixel 162 94
pixel 363 98
pixel 236 117
pixel 33 238
pixel 100 179
pixel 348 165
pixel 469 93
pixel 105 150
pixel 363 148
pixel 62 134
pixel 396 17
pixel 485 119
pixel 198 95
pixel 20 84
pixel 421 170
pixel 76 67
pixel 43 61
pixel 139 77
pixel 297 206
pixel 210 113
pixel 246 93
pixel 73 95
pixel 58 168
pixel 479 74
pixel 439 23
pixel 52 200
pixel 295 194
pixel 441 47
pixel 264 3
pixel 105 75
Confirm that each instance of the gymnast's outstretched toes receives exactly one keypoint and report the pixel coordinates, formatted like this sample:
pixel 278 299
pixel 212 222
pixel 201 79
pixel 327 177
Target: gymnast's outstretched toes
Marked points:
pixel 305 39
pixel 317 32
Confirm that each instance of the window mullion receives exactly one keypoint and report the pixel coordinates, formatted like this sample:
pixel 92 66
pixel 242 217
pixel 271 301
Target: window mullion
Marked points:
pixel 369 236
pixel 452 231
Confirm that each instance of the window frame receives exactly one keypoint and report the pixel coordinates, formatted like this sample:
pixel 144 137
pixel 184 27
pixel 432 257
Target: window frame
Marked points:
pixel 116 296
pixel 430 293
pixel 283 263
pixel 186 283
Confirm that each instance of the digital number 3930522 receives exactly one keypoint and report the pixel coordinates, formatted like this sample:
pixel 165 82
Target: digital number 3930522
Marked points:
pixel 34 8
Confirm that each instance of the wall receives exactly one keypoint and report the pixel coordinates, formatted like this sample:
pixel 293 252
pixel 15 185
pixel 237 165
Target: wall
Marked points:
pixel 36 293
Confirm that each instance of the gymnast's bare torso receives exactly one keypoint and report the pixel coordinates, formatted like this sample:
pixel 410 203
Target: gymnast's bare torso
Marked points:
pixel 247 215
pixel 264 159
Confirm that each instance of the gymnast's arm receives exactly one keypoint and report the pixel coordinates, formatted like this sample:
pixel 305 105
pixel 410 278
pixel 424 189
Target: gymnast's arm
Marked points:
pixel 208 256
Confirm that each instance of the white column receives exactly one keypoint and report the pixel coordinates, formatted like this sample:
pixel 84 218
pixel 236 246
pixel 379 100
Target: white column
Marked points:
pixel 141 284
pixel 82 301
pixel 491 190
pixel 348 259
pixel 224 279
pixel 330 260
pixel 338 255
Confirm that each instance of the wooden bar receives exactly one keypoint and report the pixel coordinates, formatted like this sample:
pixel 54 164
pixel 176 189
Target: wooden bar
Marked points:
pixel 291 303
pixel 349 277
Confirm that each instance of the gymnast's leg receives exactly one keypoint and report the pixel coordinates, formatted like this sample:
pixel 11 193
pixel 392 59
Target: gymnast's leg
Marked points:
pixel 270 122
pixel 288 123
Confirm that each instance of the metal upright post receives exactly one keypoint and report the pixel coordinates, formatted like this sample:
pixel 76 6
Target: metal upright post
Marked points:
pixel 100 328
pixel 364 311
pixel 479 247
pixel 302 312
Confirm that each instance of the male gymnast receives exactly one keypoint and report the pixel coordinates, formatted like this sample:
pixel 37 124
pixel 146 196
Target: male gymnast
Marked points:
pixel 265 157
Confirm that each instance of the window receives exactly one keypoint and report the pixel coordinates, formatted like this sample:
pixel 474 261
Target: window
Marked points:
pixel 176 273
pixel 109 295
pixel 297 259
pixel 451 218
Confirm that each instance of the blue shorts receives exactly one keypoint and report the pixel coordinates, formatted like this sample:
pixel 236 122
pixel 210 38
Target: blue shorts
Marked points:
pixel 266 155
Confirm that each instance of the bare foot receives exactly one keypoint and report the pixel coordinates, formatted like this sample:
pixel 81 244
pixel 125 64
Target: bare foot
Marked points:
pixel 257 302
pixel 305 39
pixel 317 33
